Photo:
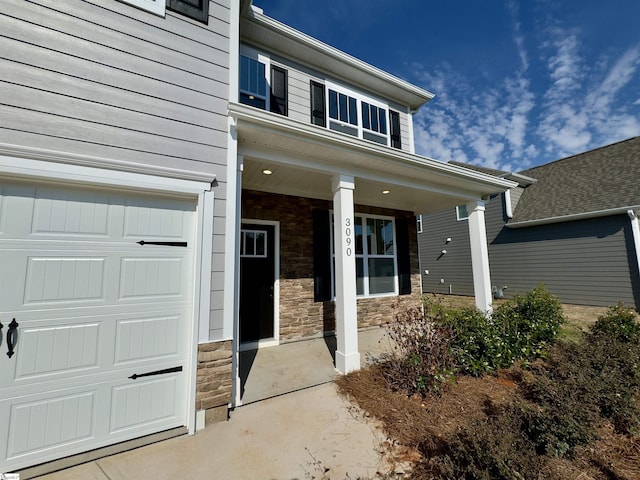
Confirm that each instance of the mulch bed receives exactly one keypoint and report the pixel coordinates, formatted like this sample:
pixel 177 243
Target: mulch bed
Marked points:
pixel 412 421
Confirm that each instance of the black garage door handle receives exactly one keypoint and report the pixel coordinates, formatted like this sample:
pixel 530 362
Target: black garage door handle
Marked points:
pixel 12 337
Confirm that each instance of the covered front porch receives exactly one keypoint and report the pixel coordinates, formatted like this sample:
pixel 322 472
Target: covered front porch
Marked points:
pixel 289 367
pixel 331 275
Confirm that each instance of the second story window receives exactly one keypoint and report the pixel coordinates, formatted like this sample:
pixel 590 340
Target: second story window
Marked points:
pixel 356 114
pixel 262 85
pixel 253 82
pixel 374 122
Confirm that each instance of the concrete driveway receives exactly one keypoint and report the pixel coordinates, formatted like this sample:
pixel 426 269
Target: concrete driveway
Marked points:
pixel 294 436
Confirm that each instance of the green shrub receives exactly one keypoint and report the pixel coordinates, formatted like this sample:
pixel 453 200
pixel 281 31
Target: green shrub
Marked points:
pixel 620 323
pixel 530 322
pixel 477 344
pixel 520 328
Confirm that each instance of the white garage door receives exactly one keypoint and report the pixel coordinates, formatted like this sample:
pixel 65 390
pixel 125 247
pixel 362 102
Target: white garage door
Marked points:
pixel 97 353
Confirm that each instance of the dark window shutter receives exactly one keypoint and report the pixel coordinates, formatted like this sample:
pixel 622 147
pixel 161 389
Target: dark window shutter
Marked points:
pixel 404 256
pixel 394 121
pixel 279 91
pixel 196 9
pixel 321 256
pixel 318 116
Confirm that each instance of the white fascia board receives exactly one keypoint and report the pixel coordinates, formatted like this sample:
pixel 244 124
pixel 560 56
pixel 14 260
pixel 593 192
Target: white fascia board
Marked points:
pixel 314 133
pixel 39 163
pixel 522 180
pixel 339 56
pixel 575 216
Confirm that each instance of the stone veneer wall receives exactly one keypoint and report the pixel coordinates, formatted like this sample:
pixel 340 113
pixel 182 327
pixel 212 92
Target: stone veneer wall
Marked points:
pixel 300 316
pixel 213 379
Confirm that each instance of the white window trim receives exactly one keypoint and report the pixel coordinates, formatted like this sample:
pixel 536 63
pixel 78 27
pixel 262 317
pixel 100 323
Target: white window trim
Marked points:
pixel 360 97
pixel 266 61
pixel 366 255
pixel 419 223
pixel 154 6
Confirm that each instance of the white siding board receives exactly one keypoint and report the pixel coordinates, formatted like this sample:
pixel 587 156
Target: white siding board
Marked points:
pixel 215 34
pixel 97 133
pixel 62 65
pixel 83 23
pixel 49 103
pixel 299 96
pixel 82 89
pixel 64 43
pixel 213 165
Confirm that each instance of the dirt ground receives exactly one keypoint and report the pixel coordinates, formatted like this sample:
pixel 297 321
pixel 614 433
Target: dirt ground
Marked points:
pixel 412 422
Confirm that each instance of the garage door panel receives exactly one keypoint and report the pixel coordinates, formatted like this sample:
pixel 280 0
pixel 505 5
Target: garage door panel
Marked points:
pixel 64 279
pixel 143 338
pixel 61 349
pixel 70 212
pixel 44 424
pixel 147 219
pixel 153 278
pixel 144 403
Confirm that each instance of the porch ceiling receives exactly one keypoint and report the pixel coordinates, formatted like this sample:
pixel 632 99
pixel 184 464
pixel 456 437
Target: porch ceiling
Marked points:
pixel 304 158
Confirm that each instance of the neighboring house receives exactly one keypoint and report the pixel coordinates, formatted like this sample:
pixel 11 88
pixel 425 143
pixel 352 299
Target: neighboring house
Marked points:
pixel 181 182
pixel 571 224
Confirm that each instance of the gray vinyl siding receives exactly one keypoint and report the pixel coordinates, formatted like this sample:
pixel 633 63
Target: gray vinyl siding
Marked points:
pixel 103 78
pixel 584 262
pixel 454 267
pixel 516 193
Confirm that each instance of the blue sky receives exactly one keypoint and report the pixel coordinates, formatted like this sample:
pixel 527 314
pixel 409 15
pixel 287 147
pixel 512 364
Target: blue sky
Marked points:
pixel 517 84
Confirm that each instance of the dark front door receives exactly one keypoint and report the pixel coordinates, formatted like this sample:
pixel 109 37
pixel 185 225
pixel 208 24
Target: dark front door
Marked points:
pixel 257 278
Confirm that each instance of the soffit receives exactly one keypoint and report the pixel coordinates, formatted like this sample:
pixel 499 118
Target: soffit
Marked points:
pixel 305 158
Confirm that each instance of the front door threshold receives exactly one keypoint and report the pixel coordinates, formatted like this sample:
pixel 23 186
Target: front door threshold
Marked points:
pixel 264 343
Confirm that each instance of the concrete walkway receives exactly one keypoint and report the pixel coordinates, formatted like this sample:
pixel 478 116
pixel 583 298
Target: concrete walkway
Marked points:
pixel 293 436
pixel 275 435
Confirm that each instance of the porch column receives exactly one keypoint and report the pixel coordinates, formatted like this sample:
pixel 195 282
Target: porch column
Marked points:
pixel 347 355
pixel 480 256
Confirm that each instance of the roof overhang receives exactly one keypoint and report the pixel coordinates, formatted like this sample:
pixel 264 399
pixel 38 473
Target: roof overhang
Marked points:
pixel 265 32
pixel 522 180
pixel 576 216
pixel 304 158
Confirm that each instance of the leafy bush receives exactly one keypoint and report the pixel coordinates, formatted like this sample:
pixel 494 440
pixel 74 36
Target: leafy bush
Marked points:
pixel 421 360
pixel 619 322
pixel 529 322
pixel 612 350
pixel 520 328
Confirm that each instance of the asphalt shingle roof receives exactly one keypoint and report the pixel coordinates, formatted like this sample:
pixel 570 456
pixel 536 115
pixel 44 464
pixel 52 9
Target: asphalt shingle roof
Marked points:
pixel 477 168
pixel 601 179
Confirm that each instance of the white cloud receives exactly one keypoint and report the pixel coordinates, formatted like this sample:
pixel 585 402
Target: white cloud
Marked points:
pixel 582 107
pixel 485 128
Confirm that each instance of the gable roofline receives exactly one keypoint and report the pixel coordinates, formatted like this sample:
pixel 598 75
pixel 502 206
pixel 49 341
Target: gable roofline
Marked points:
pixel 580 154
pixel 591 184
pixel 268 32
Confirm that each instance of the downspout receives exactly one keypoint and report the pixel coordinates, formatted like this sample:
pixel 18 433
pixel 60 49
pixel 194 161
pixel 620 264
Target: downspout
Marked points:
pixel 507 204
pixel 635 228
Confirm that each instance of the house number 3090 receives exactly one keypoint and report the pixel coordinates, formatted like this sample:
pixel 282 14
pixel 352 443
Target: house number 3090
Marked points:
pixel 347 239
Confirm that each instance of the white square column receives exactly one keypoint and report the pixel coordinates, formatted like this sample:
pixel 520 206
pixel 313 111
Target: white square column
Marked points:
pixel 480 256
pixel 347 355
